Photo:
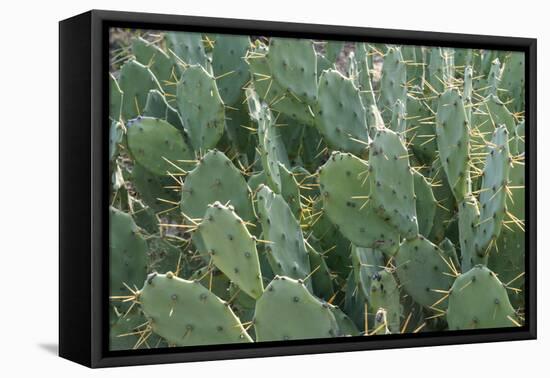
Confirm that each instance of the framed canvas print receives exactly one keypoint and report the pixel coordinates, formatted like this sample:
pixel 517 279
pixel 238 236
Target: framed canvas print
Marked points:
pixel 234 188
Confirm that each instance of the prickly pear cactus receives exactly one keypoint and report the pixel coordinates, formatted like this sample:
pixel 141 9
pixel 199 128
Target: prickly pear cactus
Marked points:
pixel 288 311
pixel 346 193
pixel 294 67
pixel 340 115
pixel 135 82
pixel 453 142
pixel 158 146
pixel 421 258
pixel 393 84
pixel 285 245
pixel 392 182
pixel 186 313
pixel 303 189
pixel 478 299
pixel 202 108
pixel 128 257
pixel 232 248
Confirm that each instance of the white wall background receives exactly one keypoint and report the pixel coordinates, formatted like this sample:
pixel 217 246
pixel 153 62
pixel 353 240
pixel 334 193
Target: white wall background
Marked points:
pixel 29 189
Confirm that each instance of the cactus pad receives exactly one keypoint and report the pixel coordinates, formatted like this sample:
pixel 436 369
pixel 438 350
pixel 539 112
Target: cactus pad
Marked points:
pixel 232 248
pixel 424 272
pixel 128 253
pixel 453 142
pixel 156 145
pixel 346 193
pixel 340 115
pixel 479 300
pixel 392 182
pixel 201 107
pixel 285 249
pixel 287 311
pixel 186 313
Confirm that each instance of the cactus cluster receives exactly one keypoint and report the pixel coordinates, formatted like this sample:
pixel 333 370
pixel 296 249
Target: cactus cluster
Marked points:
pixel 267 189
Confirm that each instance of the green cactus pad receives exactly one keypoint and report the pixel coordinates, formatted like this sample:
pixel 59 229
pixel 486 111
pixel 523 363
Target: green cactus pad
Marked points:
pixel 364 77
pixel 493 79
pixel 127 253
pixel 384 293
pixel 513 80
pixel 479 300
pixel 345 189
pixel 424 272
pixel 215 178
pixel 232 248
pixel 426 204
pixel 435 69
pixel 393 83
pixel 153 141
pixel 201 107
pixel 271 145
pixel 229 66
pixel 270 148
pixel 186 313
pixel 468 229
pixel 285 249
pixel 492 198
pixel 135 80
pixel 453 142
pixel 392 182
pixel 188 47
pixel 271 91
pixel 507 259
pixel 366 262
pixel 287 311
pixel 294 67
pixel 340 115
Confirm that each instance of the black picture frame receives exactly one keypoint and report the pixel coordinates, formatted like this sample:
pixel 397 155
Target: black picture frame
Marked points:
pixel 83 196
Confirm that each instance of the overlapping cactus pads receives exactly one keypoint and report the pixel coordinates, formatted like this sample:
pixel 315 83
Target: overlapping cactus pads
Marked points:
pixel 272 189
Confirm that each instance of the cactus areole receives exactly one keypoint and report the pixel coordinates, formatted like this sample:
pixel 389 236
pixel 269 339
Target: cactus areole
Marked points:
pixel 236 188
